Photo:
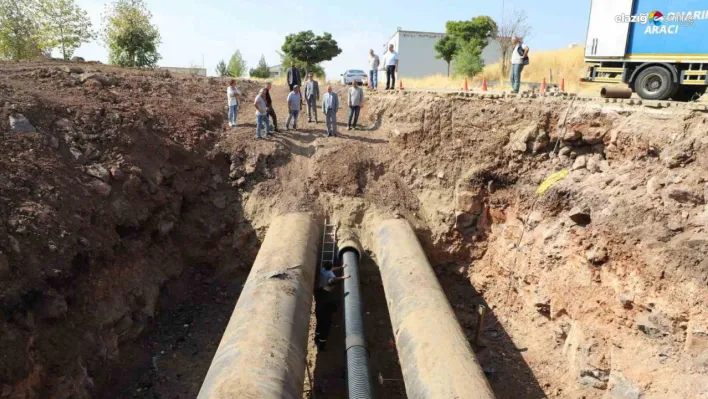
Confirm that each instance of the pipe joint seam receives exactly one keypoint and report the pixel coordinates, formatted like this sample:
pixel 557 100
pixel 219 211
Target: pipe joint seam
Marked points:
pixel 355 340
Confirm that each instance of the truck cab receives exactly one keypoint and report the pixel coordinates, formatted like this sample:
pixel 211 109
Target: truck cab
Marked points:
pixel 656 47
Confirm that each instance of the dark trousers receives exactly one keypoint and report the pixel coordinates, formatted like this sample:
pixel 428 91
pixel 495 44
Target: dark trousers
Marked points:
pixel 390 77
pixel 353 112
pixel 326 304
pixel 271 113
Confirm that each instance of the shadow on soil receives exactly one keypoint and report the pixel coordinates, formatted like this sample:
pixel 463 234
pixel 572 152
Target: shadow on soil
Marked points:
pixel 507 371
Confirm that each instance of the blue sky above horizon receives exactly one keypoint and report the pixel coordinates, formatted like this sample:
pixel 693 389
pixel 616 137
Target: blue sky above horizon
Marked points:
pixel 208 30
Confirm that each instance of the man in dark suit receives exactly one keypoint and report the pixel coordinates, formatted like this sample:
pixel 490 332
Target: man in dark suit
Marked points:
pixel 293 76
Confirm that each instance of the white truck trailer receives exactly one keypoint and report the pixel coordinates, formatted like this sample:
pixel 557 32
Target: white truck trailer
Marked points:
pixel 656 47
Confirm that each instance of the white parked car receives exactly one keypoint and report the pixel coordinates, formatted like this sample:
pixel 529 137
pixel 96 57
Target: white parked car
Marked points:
pixel 351 75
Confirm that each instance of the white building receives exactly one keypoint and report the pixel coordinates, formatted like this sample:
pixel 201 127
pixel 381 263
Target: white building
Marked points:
pixel 275 71
pixel 416 54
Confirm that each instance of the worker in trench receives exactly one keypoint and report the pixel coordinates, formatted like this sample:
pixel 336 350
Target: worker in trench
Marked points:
pixel 326 302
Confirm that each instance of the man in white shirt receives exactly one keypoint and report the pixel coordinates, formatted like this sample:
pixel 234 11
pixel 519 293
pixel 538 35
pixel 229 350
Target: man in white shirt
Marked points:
pixel 373 69
pixel 391 63
pixel 231 96
pixel 326 302
pixel 519 58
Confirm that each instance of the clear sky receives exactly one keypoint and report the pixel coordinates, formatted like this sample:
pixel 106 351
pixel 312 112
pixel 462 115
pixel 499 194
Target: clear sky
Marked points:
pixel 211 30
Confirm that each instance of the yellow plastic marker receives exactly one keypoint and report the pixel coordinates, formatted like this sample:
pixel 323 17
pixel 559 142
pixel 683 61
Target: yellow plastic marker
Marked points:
pixel 553 179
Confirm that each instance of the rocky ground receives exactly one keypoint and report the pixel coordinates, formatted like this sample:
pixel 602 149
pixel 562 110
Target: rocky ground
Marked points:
pixel 130 214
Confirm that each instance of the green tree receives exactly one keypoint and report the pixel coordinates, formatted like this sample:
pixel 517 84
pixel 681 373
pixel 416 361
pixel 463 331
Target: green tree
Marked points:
pixel 472 37
pixel 63 25
pixel 286 60
pixel 446 48
pixel 468 60
pixel 131 38
pixel 260 71
pixel 237 65
pixel 19 34
pixel 221 69
pixel 308 50
pixel 480 28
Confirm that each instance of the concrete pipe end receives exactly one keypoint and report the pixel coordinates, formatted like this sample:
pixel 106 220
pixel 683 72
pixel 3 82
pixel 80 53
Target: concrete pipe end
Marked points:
pixel 348 241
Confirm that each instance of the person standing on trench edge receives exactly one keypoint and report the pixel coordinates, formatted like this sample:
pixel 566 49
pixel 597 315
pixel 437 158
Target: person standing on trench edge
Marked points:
pixel 391 64
pixel 356 101
pixel 330 106
pixel 271 111
pixel 519 59
pixel 261 114
pixel 326 303
pixel 232 96
pixel 293 76
pixel 294 102
pixel 312 95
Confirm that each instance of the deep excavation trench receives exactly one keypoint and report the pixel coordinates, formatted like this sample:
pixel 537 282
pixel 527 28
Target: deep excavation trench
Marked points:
pixel 129 228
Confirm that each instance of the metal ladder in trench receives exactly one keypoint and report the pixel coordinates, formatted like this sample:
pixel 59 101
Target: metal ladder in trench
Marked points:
pixel 329 243
pixel 329 255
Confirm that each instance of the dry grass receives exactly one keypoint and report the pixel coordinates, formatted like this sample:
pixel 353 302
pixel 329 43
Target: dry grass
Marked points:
pixel 564 63
pixel 281 81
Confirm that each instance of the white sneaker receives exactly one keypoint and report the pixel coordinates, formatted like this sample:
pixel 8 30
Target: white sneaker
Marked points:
pixel 231 125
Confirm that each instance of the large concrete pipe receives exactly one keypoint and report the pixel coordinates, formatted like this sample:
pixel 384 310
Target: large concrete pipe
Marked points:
pixel 436 358
pixel 358 374
pixel 263 350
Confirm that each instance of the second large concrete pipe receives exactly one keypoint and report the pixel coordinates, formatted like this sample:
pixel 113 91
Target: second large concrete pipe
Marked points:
pixel 436 359
pixel 263 350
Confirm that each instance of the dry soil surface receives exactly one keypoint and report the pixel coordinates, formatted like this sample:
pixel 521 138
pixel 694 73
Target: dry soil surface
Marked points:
pixel 130 214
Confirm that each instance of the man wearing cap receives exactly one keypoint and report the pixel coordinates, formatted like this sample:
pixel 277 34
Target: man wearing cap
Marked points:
pixel 294 101
pixel 312 95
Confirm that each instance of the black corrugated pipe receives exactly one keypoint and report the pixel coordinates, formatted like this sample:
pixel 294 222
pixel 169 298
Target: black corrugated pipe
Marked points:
pixel 263 350
pixel 436 359
pixel 358 375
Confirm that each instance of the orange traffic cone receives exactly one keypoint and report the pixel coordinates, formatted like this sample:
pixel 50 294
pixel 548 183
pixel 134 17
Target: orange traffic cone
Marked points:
pixel 400 84
pixel 466 88
pixel 563 85
pixel 484 84
pixel 543 86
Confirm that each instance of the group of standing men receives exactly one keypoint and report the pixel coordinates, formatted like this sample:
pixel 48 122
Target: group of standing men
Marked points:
pixel 330 105
pixel 390 65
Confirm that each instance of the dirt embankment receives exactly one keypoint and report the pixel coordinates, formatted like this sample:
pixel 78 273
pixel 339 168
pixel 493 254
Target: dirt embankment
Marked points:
pixel 107 191
pixel 132 185
pixel 602 281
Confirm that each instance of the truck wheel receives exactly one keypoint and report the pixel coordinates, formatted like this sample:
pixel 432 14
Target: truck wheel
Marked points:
pixel 688 93
pixel 654 83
